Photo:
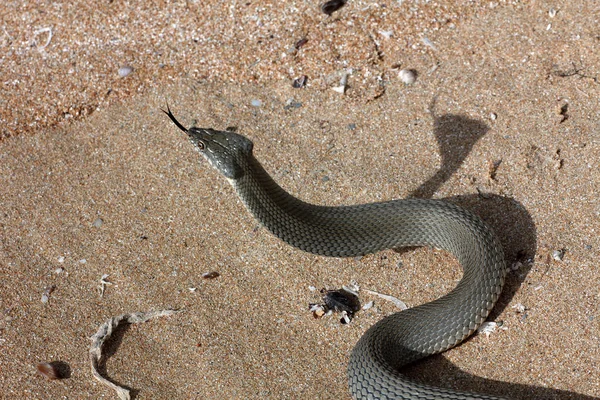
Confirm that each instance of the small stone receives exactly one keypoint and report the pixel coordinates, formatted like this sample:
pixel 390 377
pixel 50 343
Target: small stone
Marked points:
pixel 125 70
pixel 386 34
pixel 493 116
pixel 300 43
pixel 300 82
pixel 317 310
pixel 211 275
pixel 47 292
pixel 256 103
pixel 407 76
pixel 97 223
pixel 332 6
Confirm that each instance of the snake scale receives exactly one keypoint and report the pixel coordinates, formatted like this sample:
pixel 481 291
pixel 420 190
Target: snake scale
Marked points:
pixel 348 231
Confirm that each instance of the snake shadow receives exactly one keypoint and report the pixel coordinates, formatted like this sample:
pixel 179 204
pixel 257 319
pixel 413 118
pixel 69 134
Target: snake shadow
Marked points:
pixel 456 135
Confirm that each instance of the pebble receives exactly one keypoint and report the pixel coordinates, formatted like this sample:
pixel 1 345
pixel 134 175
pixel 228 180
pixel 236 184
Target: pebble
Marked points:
pixel 386 34
pixel 407 76
pixel 211 275
pixel 47 292
pixel 125 70
pixel 291 103
pixel 332 6
pixel 300 82
pixel 256 103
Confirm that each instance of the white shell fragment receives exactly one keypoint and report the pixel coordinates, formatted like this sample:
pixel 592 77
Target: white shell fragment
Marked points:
pixel 399 303
pixel 48 38
pixel 47 291
pixel 520 308
pixel 407 76
pixel 428 43
pixel 368 305
pixel 487 328
pixel 386 34
pixel 103 284
pixel 125 70
pixel 558 255
pixel 345 318
pixel 352 288
pixel 343 83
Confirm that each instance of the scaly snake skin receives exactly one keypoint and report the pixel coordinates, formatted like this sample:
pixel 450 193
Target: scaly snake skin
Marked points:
pixel 348 231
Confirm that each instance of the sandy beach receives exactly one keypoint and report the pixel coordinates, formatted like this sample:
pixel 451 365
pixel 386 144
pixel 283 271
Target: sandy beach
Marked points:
pixel 97 184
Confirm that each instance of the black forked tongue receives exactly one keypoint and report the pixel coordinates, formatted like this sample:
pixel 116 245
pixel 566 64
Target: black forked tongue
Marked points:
pixel 170 114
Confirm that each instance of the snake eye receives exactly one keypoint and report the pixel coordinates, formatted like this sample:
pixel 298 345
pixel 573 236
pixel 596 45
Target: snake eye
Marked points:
pixel 201 145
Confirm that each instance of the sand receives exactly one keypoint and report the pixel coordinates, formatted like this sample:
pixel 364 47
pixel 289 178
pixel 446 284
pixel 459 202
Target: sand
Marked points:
pixel 94 179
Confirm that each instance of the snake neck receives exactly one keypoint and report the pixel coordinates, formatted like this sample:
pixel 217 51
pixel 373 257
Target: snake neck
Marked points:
pixel 276 209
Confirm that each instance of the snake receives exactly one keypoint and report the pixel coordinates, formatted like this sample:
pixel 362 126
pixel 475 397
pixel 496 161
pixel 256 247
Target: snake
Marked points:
pixel 376 362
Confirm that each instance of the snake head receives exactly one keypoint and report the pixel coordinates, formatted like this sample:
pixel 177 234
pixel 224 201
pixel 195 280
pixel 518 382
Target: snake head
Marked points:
pixel 226 151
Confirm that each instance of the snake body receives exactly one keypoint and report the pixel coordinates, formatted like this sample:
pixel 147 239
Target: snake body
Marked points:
pixel 347 231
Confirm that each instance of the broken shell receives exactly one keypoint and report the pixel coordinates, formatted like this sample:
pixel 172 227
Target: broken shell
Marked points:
pixel 332 6
pixel 49 370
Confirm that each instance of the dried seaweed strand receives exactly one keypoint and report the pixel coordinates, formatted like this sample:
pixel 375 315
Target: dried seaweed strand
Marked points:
pixel 104 333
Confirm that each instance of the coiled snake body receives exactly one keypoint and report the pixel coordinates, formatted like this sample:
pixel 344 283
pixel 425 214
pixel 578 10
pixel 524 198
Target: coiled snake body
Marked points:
pixel 347 231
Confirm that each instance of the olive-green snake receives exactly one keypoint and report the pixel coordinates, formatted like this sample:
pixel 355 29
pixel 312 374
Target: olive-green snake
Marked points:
pixel 347 231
